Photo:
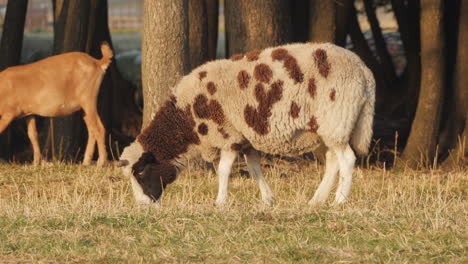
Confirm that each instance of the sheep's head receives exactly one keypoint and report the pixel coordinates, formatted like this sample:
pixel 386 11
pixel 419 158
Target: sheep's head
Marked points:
pixel 148 176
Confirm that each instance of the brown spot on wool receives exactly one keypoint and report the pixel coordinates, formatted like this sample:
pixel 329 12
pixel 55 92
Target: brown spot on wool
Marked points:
pixel 321 62
pixel 312 88
pixel 243 78
pixel 263 73
pixel 170 132
pixel 203 129
pixel 237 57
pixel 253 55
pixel 295 109
pixel 202 75
pixel 211 87
pixel 332 94
pixel 236 147
pixel 290 63
pixel 313 124
pixel 211 109
pixel 257 118
pixel 223 133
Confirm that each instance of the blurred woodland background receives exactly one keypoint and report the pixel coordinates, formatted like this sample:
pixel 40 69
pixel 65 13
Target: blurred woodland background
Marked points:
pixel 414 48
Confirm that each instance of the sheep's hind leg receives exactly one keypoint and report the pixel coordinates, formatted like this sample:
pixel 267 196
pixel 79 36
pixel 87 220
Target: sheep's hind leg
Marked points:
pixel 346 160
pixel 32 134
pixel 331 171
pixel 252 158
pixel 224 170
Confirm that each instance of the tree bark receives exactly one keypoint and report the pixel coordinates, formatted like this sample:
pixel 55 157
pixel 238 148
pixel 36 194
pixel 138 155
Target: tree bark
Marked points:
pixel 322 18
pixel 256 24
pixel 12 35
pixel 457 131
pixel 198 32
pixel 10 54
pixel 422 141
pixel 212 11
pixel 164 52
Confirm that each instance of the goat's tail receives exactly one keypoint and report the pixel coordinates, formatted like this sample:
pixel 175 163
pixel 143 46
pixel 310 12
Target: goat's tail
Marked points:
pixel 106 55
pixel 362 133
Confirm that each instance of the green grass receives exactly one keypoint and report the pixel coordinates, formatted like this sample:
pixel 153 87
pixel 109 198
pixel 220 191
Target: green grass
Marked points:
pixel 69 213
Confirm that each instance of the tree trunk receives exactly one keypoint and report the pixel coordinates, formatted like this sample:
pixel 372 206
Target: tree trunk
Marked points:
pixel 422 141
pixel 67 134
pixel 212 11
pixel 12 35
pixel 380 44
pixel 322 18
pixel 256 24
pixel 164 51
pixel 407 17
pixel 457 131
pixel 300 20
pixel 198 32
pixel 10 54
pixel 343 16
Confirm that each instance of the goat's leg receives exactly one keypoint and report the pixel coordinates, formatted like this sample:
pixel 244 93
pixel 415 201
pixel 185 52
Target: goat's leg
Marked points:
pixel 98 132
pixel 346 160
pixel 331 171
pixel 224 170
pixel 32 134
pixel 91 141
pixel 252 158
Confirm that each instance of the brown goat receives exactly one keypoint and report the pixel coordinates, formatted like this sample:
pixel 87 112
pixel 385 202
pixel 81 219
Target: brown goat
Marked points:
pixel 56 86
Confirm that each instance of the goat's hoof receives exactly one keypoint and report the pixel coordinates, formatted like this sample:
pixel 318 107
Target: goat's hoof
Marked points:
pixel 86 163
pixel 101 163
pixel 36 163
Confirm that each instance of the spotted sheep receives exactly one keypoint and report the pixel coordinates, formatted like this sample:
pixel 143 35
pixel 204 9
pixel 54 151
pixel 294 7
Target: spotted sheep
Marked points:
pixel 284 100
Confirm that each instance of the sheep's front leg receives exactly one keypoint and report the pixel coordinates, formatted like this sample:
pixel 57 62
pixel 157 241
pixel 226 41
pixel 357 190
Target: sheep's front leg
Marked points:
pixel 224 170
pixel 252 158
pixel 32 134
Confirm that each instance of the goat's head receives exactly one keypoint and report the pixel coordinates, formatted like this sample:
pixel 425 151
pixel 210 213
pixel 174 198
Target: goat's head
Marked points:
pixel 148 176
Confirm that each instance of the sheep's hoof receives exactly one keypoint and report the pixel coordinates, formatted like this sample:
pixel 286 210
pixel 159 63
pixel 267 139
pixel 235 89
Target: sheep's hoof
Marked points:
pixel 316 202
pixel 36 162
pixel 339 200
pixel 221 203
pixel 86 162
pixel 269 201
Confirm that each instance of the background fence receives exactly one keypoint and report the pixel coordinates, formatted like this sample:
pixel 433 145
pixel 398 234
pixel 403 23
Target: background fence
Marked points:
pixel 124 15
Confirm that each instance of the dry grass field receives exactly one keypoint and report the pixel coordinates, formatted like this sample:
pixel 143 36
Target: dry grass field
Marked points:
pixel 69 213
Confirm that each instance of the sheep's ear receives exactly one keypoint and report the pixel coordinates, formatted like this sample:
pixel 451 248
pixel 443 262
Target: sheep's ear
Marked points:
pixel 145 159
pixel 122 163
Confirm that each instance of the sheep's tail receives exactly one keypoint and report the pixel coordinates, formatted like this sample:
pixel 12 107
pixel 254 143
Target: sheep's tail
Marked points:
pixel 362 133
pixel 106 56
